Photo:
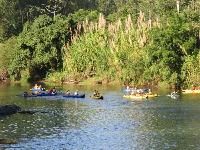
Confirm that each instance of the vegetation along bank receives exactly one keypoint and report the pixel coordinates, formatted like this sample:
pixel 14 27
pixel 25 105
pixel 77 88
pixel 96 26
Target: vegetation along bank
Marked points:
pixel 130 42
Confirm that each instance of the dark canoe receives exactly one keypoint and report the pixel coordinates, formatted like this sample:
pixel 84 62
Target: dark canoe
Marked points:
pixel 39 95
pixel 97 97
pixel 74 96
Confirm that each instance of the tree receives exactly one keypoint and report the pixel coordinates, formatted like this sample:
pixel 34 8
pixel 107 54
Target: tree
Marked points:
pixel 170 44
pixel 8 17
pixel 54 6
pixel 42 42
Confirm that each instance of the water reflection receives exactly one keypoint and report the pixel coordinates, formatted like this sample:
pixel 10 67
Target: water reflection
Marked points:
pixel 114 123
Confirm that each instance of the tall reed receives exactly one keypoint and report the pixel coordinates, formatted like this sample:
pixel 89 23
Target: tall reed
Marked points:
pixel 117 50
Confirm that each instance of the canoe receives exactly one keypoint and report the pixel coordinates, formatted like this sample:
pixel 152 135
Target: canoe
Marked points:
pixel 191 91
pixel 74 96
pixel 39 95
pixel 97 97
pixel 137 96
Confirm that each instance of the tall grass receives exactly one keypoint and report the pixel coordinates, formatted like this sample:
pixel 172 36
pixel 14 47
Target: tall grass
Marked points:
pixel 115 50
pixel 120 51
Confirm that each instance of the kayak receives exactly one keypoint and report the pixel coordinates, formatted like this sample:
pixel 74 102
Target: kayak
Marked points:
pixel 74 96
pixel 143 96
pixel 191 91
pixel 97 97
pixel 39 95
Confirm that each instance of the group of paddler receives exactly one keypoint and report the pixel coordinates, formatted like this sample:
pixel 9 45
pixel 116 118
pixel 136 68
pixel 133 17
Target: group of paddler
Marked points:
pixel 38 90
pixel 96 95
pixel 193 90
pixel 134 93
pixel 144 93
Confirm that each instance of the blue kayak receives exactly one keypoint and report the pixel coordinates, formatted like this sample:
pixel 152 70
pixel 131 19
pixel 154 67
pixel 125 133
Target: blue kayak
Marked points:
pixel 74 96
pixel 39 95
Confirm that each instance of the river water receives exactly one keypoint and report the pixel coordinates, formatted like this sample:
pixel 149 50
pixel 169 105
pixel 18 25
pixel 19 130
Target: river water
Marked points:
pixel 113 123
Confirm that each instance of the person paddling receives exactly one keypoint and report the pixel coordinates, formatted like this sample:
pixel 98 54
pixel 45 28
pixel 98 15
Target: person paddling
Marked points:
pixel 53 90
pixel 96 93
pixel 76 92
pixel 35 89
pixel 67 93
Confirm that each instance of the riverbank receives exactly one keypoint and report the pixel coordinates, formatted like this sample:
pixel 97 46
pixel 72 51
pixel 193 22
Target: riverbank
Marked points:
pixel 58 79
pixel 95 81
pixel 88 81
pixel 100 81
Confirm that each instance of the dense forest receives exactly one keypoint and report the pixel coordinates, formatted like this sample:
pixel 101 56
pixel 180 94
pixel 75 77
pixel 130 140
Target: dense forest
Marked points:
pixel 131 41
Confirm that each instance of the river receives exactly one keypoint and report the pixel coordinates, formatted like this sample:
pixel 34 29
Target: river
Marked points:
pixel 113 123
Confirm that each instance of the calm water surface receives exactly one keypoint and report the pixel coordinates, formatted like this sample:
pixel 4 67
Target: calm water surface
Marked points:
pixel 114 123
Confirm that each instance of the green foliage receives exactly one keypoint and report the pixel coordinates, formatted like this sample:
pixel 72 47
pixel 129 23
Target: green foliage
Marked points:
pixel 107 6
pixel 85 57
pixel 8 52
pixel 41 43
pixel 12 59
pixel 101 52
pixel 160 59
pixel 58 76
pixel 155 43
pixel 191 69
pixel 123 9
pixel 82 14
pixel 8 17
pixel 15 13
pixel 170 44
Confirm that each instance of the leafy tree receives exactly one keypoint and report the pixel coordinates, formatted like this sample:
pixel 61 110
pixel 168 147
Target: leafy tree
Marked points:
pixel 82 15
pixel 7 50
pixel 191 69
pixel 42 42
pixel 15 13
pixel 170 45
pixel 8 21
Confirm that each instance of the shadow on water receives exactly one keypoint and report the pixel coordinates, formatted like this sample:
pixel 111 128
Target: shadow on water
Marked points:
pixel 113 123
